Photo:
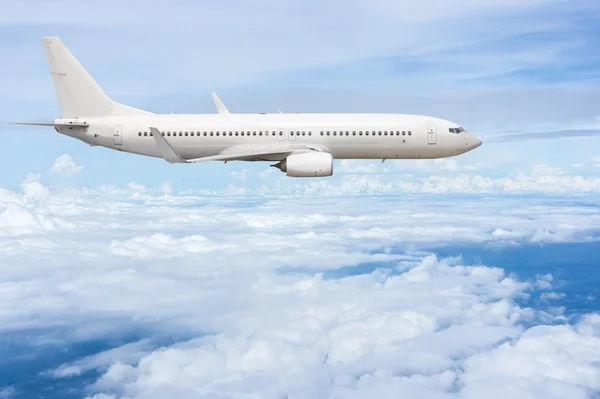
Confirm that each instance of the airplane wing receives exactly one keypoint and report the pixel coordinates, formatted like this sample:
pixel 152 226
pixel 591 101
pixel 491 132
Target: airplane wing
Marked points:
pixel 231 154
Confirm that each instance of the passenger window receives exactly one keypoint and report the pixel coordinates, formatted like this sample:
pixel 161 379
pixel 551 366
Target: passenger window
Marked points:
pixel 409 133
pixel 321 133
pixel 354 133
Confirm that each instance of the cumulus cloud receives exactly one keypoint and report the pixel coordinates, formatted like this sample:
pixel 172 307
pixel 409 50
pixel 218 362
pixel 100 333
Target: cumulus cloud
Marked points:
pixel 130 353
pixel 7 392
pixel 64 165
pixel 253 304
pixel 542 179
pixel 241 175
pixel 431 330
pixel 163 246
pixel 266 173
pixel 546 361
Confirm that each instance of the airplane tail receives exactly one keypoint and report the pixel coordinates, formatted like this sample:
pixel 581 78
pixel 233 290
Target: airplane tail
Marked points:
pixel 77 92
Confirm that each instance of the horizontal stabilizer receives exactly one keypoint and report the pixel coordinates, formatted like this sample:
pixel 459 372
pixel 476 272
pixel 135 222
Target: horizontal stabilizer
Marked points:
pixel 78 125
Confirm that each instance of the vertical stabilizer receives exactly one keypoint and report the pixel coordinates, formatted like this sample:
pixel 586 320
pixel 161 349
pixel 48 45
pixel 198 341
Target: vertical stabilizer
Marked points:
pixel 221 108
pixel 77 92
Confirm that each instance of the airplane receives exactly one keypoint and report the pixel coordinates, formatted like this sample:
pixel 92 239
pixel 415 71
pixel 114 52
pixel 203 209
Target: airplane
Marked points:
pixel 302 145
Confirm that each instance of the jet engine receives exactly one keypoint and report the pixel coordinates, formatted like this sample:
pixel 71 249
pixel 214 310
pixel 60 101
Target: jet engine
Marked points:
pixel 307 164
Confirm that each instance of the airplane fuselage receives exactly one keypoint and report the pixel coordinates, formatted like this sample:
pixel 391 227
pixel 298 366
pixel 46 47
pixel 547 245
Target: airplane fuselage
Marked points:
pixel 345 136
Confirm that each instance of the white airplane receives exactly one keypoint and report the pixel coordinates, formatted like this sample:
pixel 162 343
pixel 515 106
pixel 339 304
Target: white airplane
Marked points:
pixel 303 145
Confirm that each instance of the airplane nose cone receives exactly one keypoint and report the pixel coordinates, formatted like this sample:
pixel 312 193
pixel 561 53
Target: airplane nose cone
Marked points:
pixel 473 141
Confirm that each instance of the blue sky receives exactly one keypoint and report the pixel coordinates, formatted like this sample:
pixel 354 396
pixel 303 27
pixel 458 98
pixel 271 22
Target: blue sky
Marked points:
pixel 126 277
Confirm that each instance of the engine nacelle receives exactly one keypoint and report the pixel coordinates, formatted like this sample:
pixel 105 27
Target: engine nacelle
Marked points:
pixel 307 164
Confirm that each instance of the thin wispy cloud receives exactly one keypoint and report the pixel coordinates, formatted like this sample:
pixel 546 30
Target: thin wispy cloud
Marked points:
pixel 556 134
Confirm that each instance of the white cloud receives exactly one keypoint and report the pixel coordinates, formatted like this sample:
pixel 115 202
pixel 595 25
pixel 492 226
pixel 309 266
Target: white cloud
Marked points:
pixel 371 336
pixel 543 179
pixel 166 188
pixel 160 246
pixel 243 278
pixel 241 175
pixel 18 220
pixel 552 295
pixel 549 362
pixel 266 173
pixel 33 188
pixel 7 392
pixel 130 353
pixel 64 165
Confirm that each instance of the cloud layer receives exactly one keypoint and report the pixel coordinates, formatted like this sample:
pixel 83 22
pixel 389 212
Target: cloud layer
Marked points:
pixel 285 295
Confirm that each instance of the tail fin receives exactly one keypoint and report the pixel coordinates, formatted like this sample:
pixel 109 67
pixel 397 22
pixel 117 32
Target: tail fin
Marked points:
pixel 77 92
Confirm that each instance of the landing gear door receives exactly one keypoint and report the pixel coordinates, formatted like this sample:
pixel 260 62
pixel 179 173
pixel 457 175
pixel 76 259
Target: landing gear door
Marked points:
pixel 118 135
pixel 431 134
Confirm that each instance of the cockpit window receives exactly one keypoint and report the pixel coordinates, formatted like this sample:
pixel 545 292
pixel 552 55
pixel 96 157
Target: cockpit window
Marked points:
pixel 456 130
